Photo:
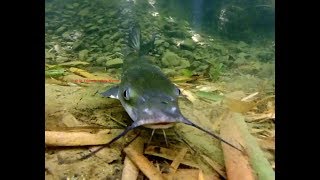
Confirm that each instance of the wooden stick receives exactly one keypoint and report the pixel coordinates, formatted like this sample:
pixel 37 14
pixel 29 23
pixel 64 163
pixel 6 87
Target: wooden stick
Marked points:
pixel 186 174
pixel 221 170
pixel 115 120
pixel 143 164
pixel 176 162
pixel 203 176
pixel 238 166
pixel 80 138
pixel 169 154
pixel 131 171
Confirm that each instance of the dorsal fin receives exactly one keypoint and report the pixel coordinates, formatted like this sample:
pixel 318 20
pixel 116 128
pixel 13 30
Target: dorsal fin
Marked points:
pixel 135 38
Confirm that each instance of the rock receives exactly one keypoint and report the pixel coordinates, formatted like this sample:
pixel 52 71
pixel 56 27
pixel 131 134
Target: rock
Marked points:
pixel 177 34
pixel 114 62
pixel 173 48
pixel 125 23
pixel 243 55
pixel 88 25
pixel 240 61
pixel 202 68
pixel 198 66
pixel 76 45
pixel 158 42
pixel 112 13
pixel 75 5
pixel 152 59
pixel 115 36
pixel 108 47
pixel 61 59
pixel 217 47
pixel 267 71
pixel 116 49
pixel 61 29
pixel 184 63
pixel 83 55
pixel 188 44
pixel 185 72
pixel 170 59
pixel 195 64
pixel 90 59
pixel 167 27
pixel 101 60
pixel 169 72
pixel 49 55
pixel 84 12
pixel 265 56
pixel 166 44
pixel 160 50
pixel 100 21
pixel 92 28
pixel 242 44
pixel 187 54
pixel 66 35
pixel 69 6
pixel 225 52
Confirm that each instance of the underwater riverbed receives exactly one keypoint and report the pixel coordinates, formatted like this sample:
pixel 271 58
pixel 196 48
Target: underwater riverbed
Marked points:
pixel 222 79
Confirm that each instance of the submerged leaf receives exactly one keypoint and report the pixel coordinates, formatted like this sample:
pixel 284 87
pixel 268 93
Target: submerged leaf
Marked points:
pixel 186 72
pixel 207 88
pixel 213 96
pixel 189 95
pixel 54 72
pixel 238 106
pixel 184 79
pixel 74 63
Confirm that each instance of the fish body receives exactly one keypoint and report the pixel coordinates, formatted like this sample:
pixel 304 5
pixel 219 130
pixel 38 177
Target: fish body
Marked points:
pixel 147 95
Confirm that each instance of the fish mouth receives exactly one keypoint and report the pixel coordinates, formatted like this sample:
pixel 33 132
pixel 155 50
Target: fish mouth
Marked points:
pixel 159 122
pixel 162 125
pixel 158 119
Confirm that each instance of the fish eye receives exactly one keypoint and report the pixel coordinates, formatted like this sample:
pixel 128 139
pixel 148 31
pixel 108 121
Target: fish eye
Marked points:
pixel 126 94
pixel 178 91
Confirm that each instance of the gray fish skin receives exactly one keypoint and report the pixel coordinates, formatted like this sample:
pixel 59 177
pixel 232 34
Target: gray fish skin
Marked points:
pixel 147 95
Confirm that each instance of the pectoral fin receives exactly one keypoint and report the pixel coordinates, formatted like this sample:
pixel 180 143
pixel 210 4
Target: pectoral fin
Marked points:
pixel 111 93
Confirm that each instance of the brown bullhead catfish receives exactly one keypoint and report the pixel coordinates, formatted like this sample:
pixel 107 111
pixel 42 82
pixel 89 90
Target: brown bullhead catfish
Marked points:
pixel 147 95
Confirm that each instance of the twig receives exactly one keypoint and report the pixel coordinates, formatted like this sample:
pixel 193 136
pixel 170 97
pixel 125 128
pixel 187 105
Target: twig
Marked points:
pixel 249 97
pixel 221 170
pixel 237 165
pixel 79 138
pixel 169 154
pixel 115 120
pixel 143 164
pixel 177 160
pixel 130 171
pixel 187 174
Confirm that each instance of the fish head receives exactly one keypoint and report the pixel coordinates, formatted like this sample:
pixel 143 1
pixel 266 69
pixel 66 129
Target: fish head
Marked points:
pixel 150 100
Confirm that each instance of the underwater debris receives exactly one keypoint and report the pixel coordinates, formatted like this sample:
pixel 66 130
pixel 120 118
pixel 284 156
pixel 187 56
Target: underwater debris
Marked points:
pixel 238 166
pixel 79 136
pixel 94 31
